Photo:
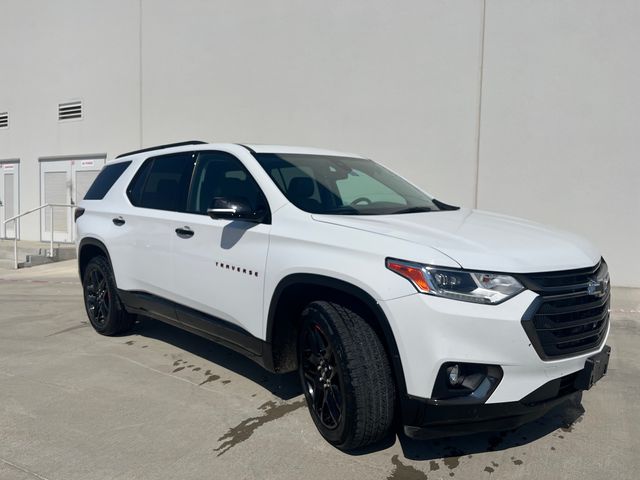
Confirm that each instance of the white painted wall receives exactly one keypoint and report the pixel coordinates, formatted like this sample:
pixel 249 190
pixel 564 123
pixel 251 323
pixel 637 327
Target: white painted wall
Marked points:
pixel 560 129
pixel 398 81
pixel 394 80
pixel 59 51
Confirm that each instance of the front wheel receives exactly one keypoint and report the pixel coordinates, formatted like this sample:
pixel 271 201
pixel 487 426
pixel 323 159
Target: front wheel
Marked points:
pixel 104 309
pixel 345 375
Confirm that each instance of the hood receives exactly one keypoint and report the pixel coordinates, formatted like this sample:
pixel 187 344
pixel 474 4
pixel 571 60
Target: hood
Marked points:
pixel 479 240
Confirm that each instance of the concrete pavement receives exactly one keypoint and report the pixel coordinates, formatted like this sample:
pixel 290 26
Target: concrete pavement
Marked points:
pixel 161 403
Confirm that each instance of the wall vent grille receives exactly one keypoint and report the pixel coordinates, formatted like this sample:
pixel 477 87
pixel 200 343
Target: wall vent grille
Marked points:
pixel 4 120
pixel 69 111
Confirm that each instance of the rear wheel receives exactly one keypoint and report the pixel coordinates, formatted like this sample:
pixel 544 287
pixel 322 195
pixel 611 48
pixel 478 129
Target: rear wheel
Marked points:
pixel 345 375
pixel 104 309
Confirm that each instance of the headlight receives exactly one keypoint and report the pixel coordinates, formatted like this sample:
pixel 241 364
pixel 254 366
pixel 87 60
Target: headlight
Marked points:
pixel 477 287
pixel 602 280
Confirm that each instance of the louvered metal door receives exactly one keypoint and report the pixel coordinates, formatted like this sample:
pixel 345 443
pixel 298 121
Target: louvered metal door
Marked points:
pixel 64 182
pixel 9 198
pixel 84 173
pixel 56 187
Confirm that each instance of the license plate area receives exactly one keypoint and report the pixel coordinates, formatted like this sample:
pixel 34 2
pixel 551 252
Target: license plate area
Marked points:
pixel 594 369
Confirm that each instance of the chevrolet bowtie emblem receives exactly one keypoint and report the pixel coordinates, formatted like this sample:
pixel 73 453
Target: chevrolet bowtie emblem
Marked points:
pixel 595 288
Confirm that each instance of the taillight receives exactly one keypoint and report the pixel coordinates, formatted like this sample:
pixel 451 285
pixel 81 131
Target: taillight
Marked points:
pixel 77 213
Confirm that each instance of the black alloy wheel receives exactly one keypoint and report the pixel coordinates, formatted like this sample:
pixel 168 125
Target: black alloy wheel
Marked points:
pixel 345 375
pixel 104 308
pixel 321 376
pixel 97 297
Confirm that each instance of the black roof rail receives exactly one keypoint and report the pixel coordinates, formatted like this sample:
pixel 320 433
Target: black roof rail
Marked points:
pixel 168 145
pixel 251 150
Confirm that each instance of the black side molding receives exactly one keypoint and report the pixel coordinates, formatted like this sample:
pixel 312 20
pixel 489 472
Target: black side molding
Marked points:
pixel 194 321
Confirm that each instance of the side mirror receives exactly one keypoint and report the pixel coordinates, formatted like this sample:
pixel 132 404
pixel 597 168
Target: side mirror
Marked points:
pixel 234 208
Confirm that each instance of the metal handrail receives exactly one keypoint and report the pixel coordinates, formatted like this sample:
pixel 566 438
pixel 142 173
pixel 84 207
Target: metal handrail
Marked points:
pixel 15 219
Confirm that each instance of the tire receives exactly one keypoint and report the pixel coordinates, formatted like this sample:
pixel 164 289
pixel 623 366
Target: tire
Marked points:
pixel 104 309
pixel 345 375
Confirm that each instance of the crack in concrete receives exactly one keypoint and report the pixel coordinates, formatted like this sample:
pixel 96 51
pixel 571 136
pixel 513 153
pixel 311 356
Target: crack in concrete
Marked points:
pixel 75 327
pixel 23 469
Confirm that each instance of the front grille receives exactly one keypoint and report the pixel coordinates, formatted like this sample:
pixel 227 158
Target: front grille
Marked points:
pixel 567 319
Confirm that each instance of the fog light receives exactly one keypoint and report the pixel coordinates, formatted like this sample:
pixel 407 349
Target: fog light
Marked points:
pixel 465 383
pixel 454 375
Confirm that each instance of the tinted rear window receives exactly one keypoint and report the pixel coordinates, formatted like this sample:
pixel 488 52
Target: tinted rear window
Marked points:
pixel 162 183
pixel 105 180
pixel 134 192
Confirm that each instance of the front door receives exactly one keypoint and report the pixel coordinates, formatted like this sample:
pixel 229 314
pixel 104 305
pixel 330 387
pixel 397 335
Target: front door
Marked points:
pixel 220 268
pixel 9 198
pixel 64 182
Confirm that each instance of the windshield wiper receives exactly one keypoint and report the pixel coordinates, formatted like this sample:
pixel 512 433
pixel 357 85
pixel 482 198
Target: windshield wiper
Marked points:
pixel 343 210
pixel 413 210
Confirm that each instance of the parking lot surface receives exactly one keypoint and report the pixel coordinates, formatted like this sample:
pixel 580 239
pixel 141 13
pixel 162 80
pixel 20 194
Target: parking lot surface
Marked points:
pixel 162 403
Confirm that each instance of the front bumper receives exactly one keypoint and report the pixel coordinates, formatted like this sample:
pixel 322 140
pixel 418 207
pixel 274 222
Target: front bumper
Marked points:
pixel 433 421
pixel 431 331
pixel 432 418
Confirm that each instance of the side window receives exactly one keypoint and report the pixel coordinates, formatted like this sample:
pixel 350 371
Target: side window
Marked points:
pixel 105 180
pixel 220 174
pixel 162 183
pixel 134 191
pixel 300 185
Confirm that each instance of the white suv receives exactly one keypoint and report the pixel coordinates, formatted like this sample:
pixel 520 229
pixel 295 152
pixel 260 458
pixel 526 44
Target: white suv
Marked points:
pixel 389 303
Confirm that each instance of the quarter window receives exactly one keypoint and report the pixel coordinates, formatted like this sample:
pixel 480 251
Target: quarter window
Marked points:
pixel 105 180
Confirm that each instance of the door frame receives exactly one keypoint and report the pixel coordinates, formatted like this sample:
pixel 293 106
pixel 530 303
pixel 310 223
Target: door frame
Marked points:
pixel 71 235
pixel 3 162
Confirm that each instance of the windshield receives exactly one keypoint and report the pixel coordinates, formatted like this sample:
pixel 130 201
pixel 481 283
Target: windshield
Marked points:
pixel 342 185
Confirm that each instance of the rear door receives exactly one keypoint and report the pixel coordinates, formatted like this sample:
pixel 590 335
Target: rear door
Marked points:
pixel 142 241
pixel 219 268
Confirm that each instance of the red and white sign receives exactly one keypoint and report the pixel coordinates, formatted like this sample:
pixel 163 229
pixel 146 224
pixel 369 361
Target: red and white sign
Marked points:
pixel 87 163
pixel 8 167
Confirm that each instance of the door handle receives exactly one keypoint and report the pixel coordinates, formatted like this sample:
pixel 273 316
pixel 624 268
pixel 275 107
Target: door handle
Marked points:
pixel 118 221
pixel 184 232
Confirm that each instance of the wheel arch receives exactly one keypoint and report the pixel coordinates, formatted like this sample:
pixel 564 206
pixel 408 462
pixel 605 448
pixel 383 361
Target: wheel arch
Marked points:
pixel 88 248
pixel 295 291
